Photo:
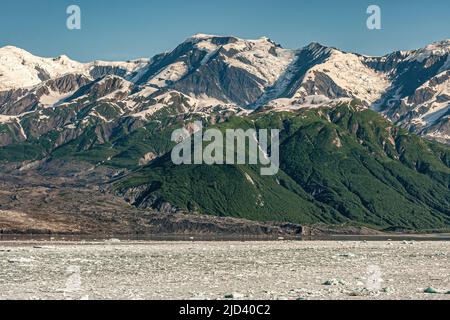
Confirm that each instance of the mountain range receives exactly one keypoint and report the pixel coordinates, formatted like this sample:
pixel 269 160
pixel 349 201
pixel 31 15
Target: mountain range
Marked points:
pixel 364 139
pixel 410 87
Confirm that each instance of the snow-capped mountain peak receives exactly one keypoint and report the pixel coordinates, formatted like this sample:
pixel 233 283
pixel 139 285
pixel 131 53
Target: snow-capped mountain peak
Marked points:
pixel 19 68
pixel 439 49
pixel 202 36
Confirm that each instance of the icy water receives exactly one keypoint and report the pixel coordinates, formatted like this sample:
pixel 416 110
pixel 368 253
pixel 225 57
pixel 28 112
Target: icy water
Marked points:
pixel 117 269
pixel 162 237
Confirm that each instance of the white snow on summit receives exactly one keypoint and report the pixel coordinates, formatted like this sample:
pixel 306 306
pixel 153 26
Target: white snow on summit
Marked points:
pixel 348 72
pixel 21 69
pixel 440 48
pixel 261 57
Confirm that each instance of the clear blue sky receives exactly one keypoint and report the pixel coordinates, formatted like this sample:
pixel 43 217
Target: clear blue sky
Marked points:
pixel 120 30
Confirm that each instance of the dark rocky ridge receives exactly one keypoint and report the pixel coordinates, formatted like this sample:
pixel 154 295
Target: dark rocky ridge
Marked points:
pixel 57 198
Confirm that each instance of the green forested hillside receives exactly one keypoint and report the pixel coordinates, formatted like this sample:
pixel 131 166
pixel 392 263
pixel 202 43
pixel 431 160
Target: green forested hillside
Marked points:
pixel 338 165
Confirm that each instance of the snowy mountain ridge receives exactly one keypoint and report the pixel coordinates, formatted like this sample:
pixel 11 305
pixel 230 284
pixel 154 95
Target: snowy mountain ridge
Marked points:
pixel 21 69
pixel 206 73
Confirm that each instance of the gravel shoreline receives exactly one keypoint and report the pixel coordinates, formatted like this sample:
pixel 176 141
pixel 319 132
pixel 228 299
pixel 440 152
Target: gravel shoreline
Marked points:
pixel 217 270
